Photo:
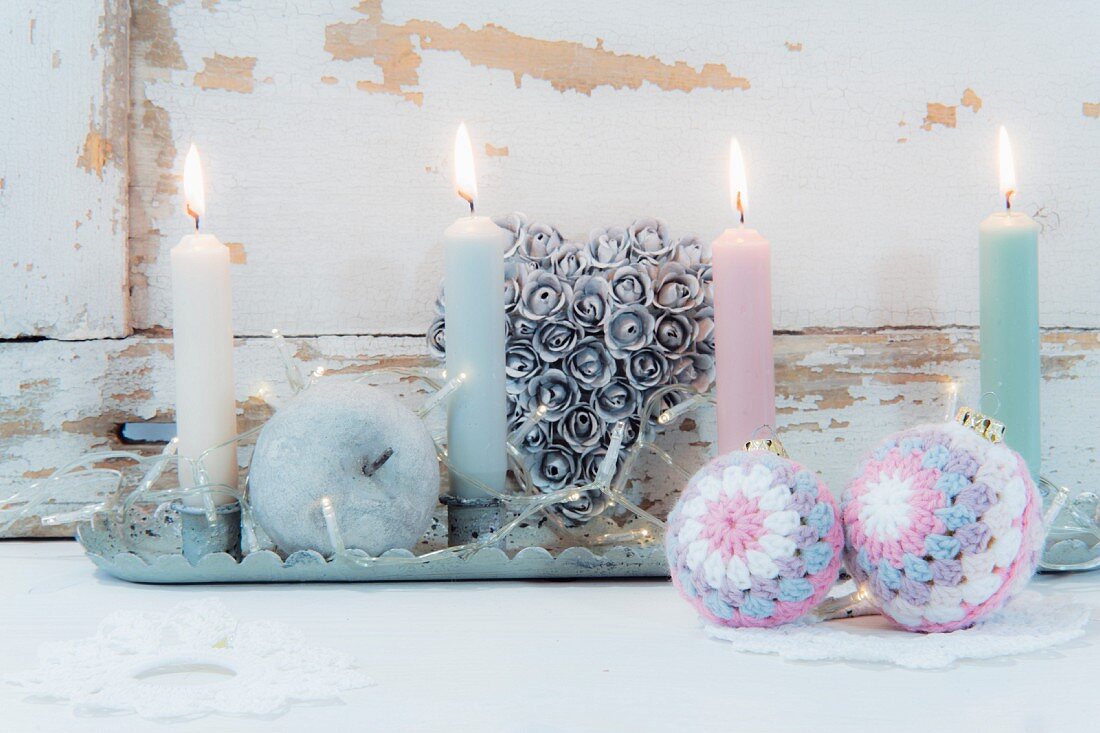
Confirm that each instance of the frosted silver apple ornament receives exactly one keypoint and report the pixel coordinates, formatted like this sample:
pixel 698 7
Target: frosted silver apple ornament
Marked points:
pixel 360 447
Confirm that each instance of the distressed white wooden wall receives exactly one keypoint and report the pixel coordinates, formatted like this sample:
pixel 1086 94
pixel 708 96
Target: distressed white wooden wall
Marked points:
pixel 870 131
pixel 63 168
pixel 326 129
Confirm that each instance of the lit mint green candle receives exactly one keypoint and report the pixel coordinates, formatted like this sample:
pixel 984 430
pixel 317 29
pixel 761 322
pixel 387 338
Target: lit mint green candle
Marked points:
pixel 1009 270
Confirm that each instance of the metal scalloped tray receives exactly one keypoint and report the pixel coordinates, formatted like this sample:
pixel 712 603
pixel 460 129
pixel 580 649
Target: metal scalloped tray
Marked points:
pixel 310 566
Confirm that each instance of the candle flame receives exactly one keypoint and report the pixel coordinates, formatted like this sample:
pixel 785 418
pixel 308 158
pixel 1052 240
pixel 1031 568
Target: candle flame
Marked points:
pixel 465 177
pixel 193 193
pixel 739 195
pixel 1008 168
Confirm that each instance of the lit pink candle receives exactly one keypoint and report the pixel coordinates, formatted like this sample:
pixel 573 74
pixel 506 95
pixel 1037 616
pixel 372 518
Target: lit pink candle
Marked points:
pixel 742 323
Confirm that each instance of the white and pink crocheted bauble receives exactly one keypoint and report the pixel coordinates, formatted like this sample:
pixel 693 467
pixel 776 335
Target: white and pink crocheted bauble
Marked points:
pixel 754 540
pixel 942 526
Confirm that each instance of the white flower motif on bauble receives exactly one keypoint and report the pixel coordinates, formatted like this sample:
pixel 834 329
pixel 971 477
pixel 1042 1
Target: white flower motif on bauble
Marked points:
pixel 714 569
pixel 697 551
pixel 709 488
pixel 980 590
pixel 998 468
pixel 998 518
pixel 761 565
pixel 1014 496
pixel 752 484
pixel 690 531
pixel 884 508
pixel 1006 547
pixel 776 546
pixel 976 566
pixel 943 614
pixel 784 523
pixel 945 596
pixel 694 507
pixel 775 499
pixel 904 612
pixel 738 573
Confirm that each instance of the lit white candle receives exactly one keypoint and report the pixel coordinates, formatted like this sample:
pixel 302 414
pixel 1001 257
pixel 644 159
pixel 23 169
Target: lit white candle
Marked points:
pixel 202 328
pixel 473 282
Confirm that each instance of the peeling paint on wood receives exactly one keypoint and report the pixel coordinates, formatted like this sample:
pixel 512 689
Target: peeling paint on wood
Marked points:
pixel 231 73
pixel 972 100
pixel 237 253
pixel 565 64
pixel 95 152
pixel 64 147
pixel 371 195
pixel 838 391
pixel 939 114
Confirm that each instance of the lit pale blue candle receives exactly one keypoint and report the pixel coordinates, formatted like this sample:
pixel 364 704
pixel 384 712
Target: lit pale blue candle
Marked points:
pixel 473 285
pixel 1009 271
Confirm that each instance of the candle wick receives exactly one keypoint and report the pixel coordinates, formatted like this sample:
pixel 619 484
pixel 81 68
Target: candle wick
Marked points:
pixel 194 215
pixel 1008 199
pixel 471 206
pixel 740 207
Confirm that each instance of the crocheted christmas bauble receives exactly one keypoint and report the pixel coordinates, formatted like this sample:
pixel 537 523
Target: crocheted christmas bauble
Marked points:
pixel 942 526
pixel 754 540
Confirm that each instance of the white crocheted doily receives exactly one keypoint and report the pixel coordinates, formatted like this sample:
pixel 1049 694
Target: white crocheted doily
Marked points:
pixel 194 660
pixel 1030 622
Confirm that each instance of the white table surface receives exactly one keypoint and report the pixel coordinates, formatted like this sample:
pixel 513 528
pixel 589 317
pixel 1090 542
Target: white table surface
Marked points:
pixel 609 656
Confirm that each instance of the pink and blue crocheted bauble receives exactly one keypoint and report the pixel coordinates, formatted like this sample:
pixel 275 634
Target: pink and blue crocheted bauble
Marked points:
pixel 754 540
pixel 942 526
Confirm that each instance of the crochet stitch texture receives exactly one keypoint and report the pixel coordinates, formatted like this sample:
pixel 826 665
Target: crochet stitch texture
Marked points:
pixel 754 540
pixel 942 526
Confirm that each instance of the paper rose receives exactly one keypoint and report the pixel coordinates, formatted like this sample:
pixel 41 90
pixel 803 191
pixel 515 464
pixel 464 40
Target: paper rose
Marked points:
pixel 676 289
pixel 649 239
pixel 675 333
pixel 436 335
pixel 617 400
pixel 594 326
pixel 631 285
pixel 516 225
pixel 538 243
pixel 647 368
pixel 569 260
pixel 554 467
pixel 520 364
pixel 544 295
pixel 554 390
pixel 628 329
pixel 581 428
pixel 591 302
pixel 608 247
pixel 591 364
pixel 555 339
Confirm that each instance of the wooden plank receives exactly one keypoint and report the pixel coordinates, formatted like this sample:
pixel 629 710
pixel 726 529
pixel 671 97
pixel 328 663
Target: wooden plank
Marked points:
pixel 870 136
pixel 839 392
pixel 63 169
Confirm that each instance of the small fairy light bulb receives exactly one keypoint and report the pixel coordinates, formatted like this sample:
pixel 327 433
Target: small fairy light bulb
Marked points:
pixel 332 526
pixel 1007 168
pixel 465 174
pixel 194 192
pixel 739 193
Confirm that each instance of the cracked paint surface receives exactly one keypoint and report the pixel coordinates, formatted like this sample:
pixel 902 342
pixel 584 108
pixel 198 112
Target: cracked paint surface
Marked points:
pixel 230 73
pixel 567 65
pixel 839 392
